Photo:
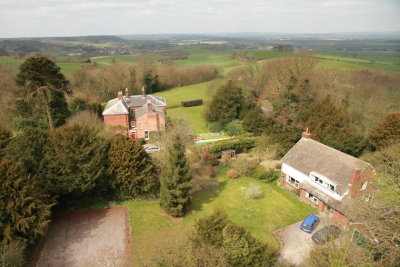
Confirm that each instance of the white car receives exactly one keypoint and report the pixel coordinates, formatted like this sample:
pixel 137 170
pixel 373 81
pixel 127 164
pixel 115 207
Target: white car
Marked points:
pixel 152 149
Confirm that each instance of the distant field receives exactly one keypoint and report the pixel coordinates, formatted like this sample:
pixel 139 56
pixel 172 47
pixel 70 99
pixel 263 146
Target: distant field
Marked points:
pixel 174 96
pixel 209 57
pixel 66 67
pixel 265 54
pixel 354 63
pixel 193 116
pixel 125 58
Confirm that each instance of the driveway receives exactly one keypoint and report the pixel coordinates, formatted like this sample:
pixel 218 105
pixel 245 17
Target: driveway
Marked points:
pixel 86 238
pixel 295 243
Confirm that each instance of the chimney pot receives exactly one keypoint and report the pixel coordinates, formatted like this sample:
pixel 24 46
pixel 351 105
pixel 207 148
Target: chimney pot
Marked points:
pixel 306 134
pixel 120 95
pixel 126 92
pixel 143 91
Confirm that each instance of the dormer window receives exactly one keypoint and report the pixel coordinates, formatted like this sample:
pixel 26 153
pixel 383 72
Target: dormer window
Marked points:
pixel 323 181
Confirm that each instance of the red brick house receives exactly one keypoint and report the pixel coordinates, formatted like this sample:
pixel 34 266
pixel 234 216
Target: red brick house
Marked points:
pixel 136 115
pixel 327 178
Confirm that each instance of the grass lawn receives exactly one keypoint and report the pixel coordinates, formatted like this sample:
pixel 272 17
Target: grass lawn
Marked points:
pixel 266 54
pixel 192 116
pixel 278 208
pixel 209 57
pixel 175 95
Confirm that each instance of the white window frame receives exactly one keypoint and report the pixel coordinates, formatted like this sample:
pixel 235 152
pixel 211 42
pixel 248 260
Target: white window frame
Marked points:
pixel 323 181
pixel 295 183
pixel 133 124
pixel 312 198
pixel 140 125
pixel 146 133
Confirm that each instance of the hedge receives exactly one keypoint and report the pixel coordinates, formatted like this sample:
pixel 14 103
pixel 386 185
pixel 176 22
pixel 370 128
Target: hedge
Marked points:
pixel 192 103
pixel 240 145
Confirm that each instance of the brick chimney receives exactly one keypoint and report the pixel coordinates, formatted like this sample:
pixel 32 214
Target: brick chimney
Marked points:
pixel 306 134
pixel 126 92
pixel 149 105
pixel 354 183
pixel 143 91
pixel 120 95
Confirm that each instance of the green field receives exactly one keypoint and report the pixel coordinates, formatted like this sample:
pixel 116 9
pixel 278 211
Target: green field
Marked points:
pixel 209 57
pixel 66 67
pixel 193 116
pixel 125 58
pixel 353 63
pixel 265 54
pixel 174 96
pixel 278 208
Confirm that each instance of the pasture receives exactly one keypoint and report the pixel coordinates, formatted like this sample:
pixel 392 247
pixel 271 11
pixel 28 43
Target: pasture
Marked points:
pixel 217 58
pixel 193 116
pixel 66 67
pixel 175 95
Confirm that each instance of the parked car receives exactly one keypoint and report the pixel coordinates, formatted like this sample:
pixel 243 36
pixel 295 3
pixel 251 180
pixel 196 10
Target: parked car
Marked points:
pixel 310 223
pixel 152 149
pixel 326 234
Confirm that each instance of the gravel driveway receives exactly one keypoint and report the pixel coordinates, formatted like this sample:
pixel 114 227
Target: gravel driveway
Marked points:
pixel 295 243
pixel 87 238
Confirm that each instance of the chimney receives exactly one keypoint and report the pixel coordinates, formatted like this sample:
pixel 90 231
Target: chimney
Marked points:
pixel 126 92
pixel 143 91
pixel 120 95
pixel 149 105
pixel 354 183
pixel 306 134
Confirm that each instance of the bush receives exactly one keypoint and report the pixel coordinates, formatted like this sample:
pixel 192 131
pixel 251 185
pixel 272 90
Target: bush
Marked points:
pixel 233 174
pixel 20 123
pixel 140 141
pixel 254 192
pixel 262 174
pixel 240 145
pixel 244 165
pixel 192 103
pixel 234 128
pixel 12 255
pixel 216 127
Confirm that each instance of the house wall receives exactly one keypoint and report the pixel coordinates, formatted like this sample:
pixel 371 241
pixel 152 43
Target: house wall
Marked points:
pixel 321 206
pixel 116 120
pixel 149 121
pixel 339 218
pixel 284 183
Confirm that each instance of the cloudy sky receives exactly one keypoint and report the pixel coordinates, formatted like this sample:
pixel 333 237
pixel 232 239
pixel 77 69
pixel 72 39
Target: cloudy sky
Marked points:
pixel 33 18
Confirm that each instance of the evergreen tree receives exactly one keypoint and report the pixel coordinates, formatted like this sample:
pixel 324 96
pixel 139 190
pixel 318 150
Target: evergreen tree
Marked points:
pixel 385 133
pixel 175 183
pixel 208 230
pixel 41 78
pixel 256 122
pixel 76 160
pixel 58 108
pixel 29 149
pixel 332 126
pixel 132 172
pixel 5 138
pixel 225 105
pixel 24 208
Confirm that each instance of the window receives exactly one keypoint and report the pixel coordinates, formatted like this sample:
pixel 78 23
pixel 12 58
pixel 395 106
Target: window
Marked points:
pixel 332 187
pixel 133 124
pixel 146 135
pixel 292 181
pixel 140 125
pixel 318 180
pixel 312 198
pixel 326 183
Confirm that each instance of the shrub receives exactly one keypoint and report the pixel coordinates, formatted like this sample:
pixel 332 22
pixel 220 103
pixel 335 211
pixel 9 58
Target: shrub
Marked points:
pixel 21 123
pixel 254 192
pixel 234 128
pixel 192 103
pixel 244 165
pixel 240 145
pixel 209 159
pixel 208 230
pixel 262 174
pixel 140 141
pixel 216 127
pixel 12 255
pixel 233 174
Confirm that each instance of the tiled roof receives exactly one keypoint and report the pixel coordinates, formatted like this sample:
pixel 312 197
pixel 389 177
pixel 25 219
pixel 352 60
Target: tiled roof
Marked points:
pixel 140 100
pixel 144 109
pixel 308 155
pixel 117 107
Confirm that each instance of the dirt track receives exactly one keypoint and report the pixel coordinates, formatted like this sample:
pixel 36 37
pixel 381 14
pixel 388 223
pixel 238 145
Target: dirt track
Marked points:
pixel 87 238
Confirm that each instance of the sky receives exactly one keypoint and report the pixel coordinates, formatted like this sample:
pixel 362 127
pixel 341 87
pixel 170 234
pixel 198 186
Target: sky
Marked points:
pixel 45 18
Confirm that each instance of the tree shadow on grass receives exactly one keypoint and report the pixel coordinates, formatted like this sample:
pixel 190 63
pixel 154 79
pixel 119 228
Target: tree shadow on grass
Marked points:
pixel 207 195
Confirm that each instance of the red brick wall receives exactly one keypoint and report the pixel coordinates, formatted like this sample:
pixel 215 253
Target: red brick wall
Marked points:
pixel 321 206
pixel 116 120
pixel 150 122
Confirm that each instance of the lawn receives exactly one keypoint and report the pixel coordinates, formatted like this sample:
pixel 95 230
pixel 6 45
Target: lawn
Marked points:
pixel 66 67
pixel 174 96
pixel 209 57
pixel 278 208
pixel 193 116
